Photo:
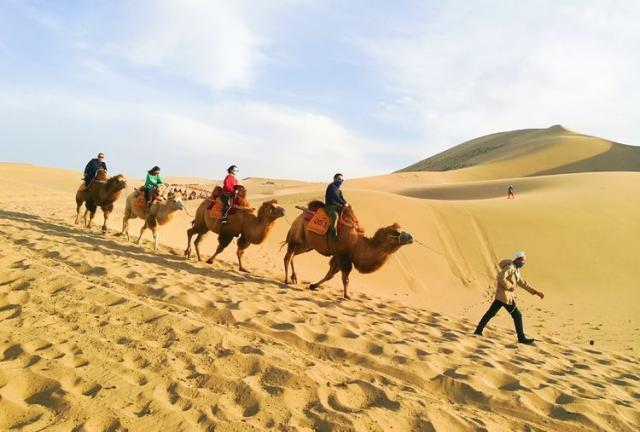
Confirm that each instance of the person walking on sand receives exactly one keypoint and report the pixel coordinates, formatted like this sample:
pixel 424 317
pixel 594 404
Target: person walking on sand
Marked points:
pixel 508 280
pixel 510 194
pixel 92 168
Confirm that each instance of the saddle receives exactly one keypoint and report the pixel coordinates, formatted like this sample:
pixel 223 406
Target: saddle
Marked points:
pixel 140 202
pixel 216 206
pixel 320 221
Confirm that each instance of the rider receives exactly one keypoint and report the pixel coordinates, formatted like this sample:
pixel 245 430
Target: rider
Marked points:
pixel 151 184
pixel 229 192
pixel 334 204
pixel 92 168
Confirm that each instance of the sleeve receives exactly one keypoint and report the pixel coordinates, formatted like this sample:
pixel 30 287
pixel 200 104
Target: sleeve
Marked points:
pixel 104 166
pixel 87 169
pixel 505 279
pixel 147 181
pixel 160 181
pixel 525 285
pixel 342 200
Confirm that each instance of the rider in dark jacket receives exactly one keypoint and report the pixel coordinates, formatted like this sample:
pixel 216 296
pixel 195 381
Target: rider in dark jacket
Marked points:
pixel 334 204
pixel 92 168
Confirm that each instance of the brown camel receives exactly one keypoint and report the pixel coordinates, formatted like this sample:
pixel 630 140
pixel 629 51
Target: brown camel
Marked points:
pixel 103 192
pixel 251 228
pixel 160 213
pixel 351 249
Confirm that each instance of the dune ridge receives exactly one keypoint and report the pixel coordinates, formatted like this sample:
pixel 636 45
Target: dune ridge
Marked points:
pixel 520 153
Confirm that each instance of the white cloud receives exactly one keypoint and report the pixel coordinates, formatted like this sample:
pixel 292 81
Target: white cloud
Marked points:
pixel 265 140
pixel 214 43
pixel 471 68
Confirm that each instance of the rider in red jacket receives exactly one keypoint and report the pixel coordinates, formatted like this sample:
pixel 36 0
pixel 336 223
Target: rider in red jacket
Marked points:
pixel 229 191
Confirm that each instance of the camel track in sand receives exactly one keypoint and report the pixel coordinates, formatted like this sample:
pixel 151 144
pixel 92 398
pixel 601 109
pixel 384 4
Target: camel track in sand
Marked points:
pixel 96 334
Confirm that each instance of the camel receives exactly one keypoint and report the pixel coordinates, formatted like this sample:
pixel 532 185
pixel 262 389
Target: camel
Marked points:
pixel 160 213
pixel 352 248
pixel 103 192
pixel 251 228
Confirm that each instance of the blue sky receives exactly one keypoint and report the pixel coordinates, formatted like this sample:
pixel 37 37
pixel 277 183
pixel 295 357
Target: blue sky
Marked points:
pixel 302 89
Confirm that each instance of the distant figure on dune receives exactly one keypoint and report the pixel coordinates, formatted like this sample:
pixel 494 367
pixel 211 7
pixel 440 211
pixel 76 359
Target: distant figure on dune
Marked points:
pixel 151 184
pixel 92 168
pixel 508 280
pixel 510 194
pixel 334 204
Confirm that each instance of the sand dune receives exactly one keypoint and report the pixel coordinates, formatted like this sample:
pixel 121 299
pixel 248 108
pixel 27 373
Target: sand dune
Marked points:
pixel 555 150
pixel 100 334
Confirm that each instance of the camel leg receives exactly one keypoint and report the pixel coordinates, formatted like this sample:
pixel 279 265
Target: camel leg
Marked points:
pixel 91 216
pixel 196 243
pixel 125 224
pixel 223 242
pixel 243 243
pixel 106 211
pixel 190 233
pixel 78 207
pixel 334 267
pixel 288 259
pixel 154 231
pixel 187 251
pixel 346 265
pixel 292 251
pixel 144 227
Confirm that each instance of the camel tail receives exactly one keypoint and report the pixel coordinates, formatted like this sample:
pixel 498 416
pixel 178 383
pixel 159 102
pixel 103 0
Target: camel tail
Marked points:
pixel 282 244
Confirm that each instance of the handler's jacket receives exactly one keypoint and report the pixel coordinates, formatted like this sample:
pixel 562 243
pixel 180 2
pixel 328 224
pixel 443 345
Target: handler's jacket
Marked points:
pixel 508 280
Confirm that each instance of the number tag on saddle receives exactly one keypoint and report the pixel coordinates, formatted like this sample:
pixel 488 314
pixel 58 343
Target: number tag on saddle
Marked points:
pixel 319 223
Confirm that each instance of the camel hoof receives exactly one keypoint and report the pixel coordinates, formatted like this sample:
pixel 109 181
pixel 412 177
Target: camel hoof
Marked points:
pixel 209 261
pixel 313 287
pixel 347 297
pixel 244 270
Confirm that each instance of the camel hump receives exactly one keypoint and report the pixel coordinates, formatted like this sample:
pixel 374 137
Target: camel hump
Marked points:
pixel 101 175
pixel 315 205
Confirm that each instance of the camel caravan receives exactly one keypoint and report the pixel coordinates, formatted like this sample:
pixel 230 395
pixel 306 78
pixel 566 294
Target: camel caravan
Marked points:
pixel 330 228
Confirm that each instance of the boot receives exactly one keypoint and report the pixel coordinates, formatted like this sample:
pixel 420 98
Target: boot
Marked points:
pixel 517 321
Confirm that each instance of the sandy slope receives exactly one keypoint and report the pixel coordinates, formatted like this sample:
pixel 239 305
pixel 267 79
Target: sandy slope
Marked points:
pixel 100 334
pixel 520 153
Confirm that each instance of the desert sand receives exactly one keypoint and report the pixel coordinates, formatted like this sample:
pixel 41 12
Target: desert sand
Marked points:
pixel 99 334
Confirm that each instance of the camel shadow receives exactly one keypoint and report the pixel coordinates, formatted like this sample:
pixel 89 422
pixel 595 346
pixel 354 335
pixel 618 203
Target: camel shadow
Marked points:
pixel 91 240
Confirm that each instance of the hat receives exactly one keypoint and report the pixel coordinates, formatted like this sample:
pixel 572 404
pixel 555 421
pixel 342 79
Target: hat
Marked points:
pixel 519 254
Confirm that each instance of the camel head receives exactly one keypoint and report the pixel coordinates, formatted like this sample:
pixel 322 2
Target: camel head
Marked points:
pixel 269 210
pixel 174 201
pixel 392 237
pixel 117 183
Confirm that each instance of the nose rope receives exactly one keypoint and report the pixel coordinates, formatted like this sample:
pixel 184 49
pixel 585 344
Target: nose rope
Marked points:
pixel 474 270
pixel 184 207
